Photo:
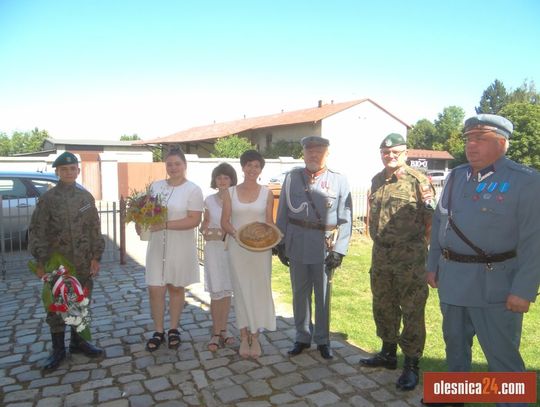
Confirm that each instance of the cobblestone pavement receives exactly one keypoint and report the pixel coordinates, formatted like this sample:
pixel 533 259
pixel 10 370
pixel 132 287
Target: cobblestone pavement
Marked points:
pixel 190 376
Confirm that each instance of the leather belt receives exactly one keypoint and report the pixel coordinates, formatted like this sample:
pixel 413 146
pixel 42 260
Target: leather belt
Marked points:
pixel 311 225
pixel 475 258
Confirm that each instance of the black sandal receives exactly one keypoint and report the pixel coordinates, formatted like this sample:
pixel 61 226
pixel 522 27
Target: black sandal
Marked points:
pixel 173 336
pixel 155 341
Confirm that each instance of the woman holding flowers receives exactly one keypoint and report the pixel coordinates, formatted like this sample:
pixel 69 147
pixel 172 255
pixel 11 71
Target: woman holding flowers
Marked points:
pixel 171 256
pixel 217 279
pixel 251 271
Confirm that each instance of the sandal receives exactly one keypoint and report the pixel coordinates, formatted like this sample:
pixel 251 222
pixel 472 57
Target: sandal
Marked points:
pixel 155 341
pixel 173 336
pixel 215 343
pixel 226 338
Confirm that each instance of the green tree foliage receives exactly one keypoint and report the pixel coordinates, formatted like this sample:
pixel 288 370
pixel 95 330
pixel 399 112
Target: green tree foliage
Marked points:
pixel 493 99
pixel 22 142
pixel 526 93
pixel 231 147
pixel 283 148
pixel 133 137
pixel 525 140
pixel 421 135
pixel 449 126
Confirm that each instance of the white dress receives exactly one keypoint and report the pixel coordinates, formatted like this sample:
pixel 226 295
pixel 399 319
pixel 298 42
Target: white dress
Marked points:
pixel 251 271
pixel 217 276
pixel 171 256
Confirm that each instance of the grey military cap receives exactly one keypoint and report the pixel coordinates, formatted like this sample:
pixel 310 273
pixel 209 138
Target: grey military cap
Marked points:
pixel 485 121
pixel 314 141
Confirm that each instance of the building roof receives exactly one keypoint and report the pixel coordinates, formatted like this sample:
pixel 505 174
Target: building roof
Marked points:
pixel 217 130
pixel 431 154
pixel 93 142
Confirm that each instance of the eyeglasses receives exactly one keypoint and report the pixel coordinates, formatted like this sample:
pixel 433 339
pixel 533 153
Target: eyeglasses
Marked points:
pixel 394 153
pixel 480 138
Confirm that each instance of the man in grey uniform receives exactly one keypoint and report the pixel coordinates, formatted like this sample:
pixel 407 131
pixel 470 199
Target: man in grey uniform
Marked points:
pixel 315 216
pixel 484 255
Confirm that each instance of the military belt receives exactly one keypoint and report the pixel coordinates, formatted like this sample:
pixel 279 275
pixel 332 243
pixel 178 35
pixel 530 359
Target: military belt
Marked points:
pixel 311 225
pixel 475 258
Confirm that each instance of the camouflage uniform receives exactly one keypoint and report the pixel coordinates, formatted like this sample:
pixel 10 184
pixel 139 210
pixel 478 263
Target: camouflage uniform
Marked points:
pixel 66 221
pixel 397 225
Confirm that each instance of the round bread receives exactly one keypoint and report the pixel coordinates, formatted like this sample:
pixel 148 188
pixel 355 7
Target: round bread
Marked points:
pixel 259 236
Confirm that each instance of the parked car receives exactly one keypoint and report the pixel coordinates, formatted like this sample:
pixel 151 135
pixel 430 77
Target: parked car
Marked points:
pixel 20 191
pixel 437 175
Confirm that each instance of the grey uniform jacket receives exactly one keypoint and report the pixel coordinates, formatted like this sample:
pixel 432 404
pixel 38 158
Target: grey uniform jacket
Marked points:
pixel 332 197
pixel 498 212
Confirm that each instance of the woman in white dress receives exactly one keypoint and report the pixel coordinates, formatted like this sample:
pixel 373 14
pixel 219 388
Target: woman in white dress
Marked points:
pixel 251 271
pixel 171 256
pixel 217 278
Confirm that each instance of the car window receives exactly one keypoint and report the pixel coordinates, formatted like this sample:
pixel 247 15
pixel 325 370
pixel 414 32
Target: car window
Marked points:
pixel 12 188
pixel 42 185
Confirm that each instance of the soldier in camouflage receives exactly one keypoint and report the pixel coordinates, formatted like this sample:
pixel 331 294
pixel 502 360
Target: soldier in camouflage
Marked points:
pixel 401 204
pixel 66 221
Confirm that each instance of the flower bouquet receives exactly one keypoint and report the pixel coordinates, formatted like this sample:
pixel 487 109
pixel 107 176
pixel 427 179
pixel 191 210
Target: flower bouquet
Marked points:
pixel 145 209
pixel 63 293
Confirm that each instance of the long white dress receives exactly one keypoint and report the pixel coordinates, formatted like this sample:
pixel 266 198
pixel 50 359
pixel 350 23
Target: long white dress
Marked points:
pixel 217 275
pixel 251 271
pixel 171 256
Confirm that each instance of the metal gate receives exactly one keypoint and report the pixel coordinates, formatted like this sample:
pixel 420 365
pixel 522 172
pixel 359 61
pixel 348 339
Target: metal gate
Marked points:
pixel 14 222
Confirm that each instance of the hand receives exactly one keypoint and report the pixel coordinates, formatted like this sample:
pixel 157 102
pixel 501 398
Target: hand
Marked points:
pixel 333 260
pixel 517 304
pixel 157 227
pixel 431 279
pixel 282 255
pixel 94 268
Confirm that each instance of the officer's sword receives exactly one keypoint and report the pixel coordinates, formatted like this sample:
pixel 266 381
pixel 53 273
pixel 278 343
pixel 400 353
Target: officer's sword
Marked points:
pixel 329 282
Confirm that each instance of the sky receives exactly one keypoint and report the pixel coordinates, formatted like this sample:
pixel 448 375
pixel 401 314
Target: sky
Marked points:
pixel 99 69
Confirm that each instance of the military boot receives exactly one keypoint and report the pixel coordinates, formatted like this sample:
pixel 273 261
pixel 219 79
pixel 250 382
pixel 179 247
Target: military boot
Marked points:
pixel 409 377
pixel 385 358
pixel 58 352
pixel 79 345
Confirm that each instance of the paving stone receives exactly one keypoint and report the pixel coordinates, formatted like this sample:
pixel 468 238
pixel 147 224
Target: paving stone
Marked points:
pixel 157 384
pixel 282 398
pixel 219 373
pixel 257 388
pixel 318 373
pixel 285 381
pixel 168 395
pixel 50 402
pixel 143 400
pixel 96 384
pixel 20 396
pixel 75 377
pixel 382 395
pixel 231 393
pixel 83 398
pixel 59 390
pixel 323 398
pixel 306 388
pixel 115 403
pixel 109 393
pixel 359 401
pixel 160 370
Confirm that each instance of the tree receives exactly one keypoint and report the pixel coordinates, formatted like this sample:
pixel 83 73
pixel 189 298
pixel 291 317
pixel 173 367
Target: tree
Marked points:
pixel 284 148
pixel 133 137
pixel 526 93
pixel 5 144
pixel 525 140
pixel 231 147
pixel 493 99
pixel 421 135
pixel 27 142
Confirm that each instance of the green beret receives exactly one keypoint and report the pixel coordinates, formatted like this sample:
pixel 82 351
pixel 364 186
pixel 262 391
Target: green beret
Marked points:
pixel 498 124
pixel 314 141
pixel 65 158
pixel 392 140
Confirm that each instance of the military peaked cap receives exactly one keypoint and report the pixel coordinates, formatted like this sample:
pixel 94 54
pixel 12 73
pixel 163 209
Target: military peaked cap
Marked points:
pixel 498 124
pixel 65 158
pixel 392 140
pixel 314 141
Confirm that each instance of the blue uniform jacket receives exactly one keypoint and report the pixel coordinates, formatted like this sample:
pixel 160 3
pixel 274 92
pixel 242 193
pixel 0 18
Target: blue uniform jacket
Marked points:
pixel 498 212
pixel 332 197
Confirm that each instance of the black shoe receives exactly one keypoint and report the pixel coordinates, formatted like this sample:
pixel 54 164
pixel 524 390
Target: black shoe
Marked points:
pixel 298 348
pixel 442 404
pixel 385 358
pixel 409 377
pixel 58 354
pixel 325 350
pixel 79 345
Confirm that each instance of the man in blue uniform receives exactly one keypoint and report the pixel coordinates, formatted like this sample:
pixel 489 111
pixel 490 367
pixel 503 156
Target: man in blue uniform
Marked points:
pixel 484 255
pixel 315 216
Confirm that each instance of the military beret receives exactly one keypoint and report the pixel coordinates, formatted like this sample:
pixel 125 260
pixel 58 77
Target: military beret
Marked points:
pixel 314 141
pixel 498 124
pixel 392 140
pixel 64 159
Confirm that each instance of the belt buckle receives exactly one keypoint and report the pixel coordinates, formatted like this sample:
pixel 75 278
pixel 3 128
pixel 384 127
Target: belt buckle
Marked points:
pixel 445 253
pixel 489 266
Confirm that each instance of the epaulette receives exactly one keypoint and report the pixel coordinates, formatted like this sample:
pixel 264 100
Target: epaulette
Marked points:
pixel 521 168
pixel 420 177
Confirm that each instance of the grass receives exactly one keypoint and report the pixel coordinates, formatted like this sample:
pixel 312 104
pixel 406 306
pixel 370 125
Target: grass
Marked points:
pixel 352 317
